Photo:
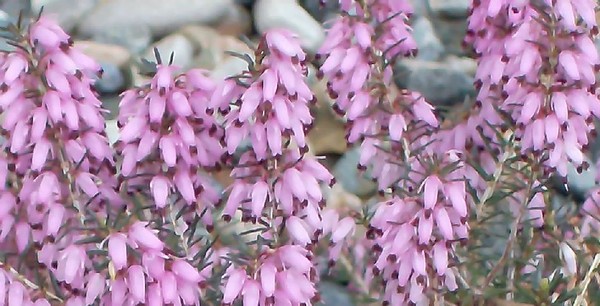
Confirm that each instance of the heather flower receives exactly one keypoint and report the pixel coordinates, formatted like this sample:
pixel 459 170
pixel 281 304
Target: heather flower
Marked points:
pixel 342 229
pixel 157 274
pixel 535 207
pixel 145 237
pixel 590 211
pixel 95 287
pixel 413 232
pixel 341 233
pixel 351 50
pixel 284 275
pixel 569 258
pixel 272 112
pixel 13 292
pixel 275 106
pixel 406 118
pixel 390 125
pixel 276 184
pixel 56 154
pixel 131 232
pixel 71 263
pixel 357 68
pixel 57 149
pixel 294 191
pixel 117 250
pixel 136 283
pixel 169 120
pixel 551 98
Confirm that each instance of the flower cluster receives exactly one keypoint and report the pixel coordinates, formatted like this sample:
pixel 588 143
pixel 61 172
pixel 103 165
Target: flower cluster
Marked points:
pixel 356 76
pixel 157 278
pixel 538 63
pixel 275 105
pixel 415 236
pixel 294 187
pixel 168 135
pixel 56 162
pixel 283 276
pixel 359 82
pixel 273 112
pixel 413 229
pixel 63 206
pixel 276 184
pixel 14 292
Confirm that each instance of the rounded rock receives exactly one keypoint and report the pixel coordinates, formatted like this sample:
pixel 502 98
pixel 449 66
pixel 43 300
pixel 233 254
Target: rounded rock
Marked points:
pixel 288 14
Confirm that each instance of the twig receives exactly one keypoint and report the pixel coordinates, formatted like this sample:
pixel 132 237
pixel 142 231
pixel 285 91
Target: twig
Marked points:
pixel 586 281
pixel 489 191
pixel 510 295
pixel 178 232
pixel 438 295
pixel 19 277
pixel 358 280
pixel 513 234
pixel 74 195
pixel 506 254
pixel 462 279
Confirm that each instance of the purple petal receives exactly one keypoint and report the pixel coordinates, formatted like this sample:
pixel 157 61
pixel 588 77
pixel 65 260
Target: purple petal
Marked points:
pixel 168 151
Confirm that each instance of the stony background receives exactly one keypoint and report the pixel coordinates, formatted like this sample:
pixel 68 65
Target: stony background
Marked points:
pixel 118 33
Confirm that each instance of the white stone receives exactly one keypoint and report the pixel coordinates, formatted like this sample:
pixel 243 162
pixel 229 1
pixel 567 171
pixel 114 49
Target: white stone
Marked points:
pixel 160 16
pixel 288 14
pixel 68 13
pixel 112 131
pixel 178 44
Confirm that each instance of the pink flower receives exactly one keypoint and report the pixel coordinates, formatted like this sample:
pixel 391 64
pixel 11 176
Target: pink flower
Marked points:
pixel 234 286
pixel 8 202
pixel 185 271
pixel 117 250
pixel 71 263
pixel 343 228
pixel 160 186
pixel 569 258
pixel 297 230
pixel 287 108
pixel 421 228
pixel 48 34
pixel 284 276
pixel 169 288
pixel 171 117
pixel 526 76
pixel 296 192
pixel 251 293
pixel 16 293
pixel 95 287
pixel 267 278
pixel 591 211
pixel 145 237
pixel 55 219
pixel 136 283
pixel 432 185
pixel 154 262
pixel 259 195
pixel 118 292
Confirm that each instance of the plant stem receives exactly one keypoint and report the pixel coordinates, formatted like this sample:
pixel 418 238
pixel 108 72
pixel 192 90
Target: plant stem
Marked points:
pixel 586 281
pixel 491 188
pixel 355 277
pixel 19 277
pixel 513 234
